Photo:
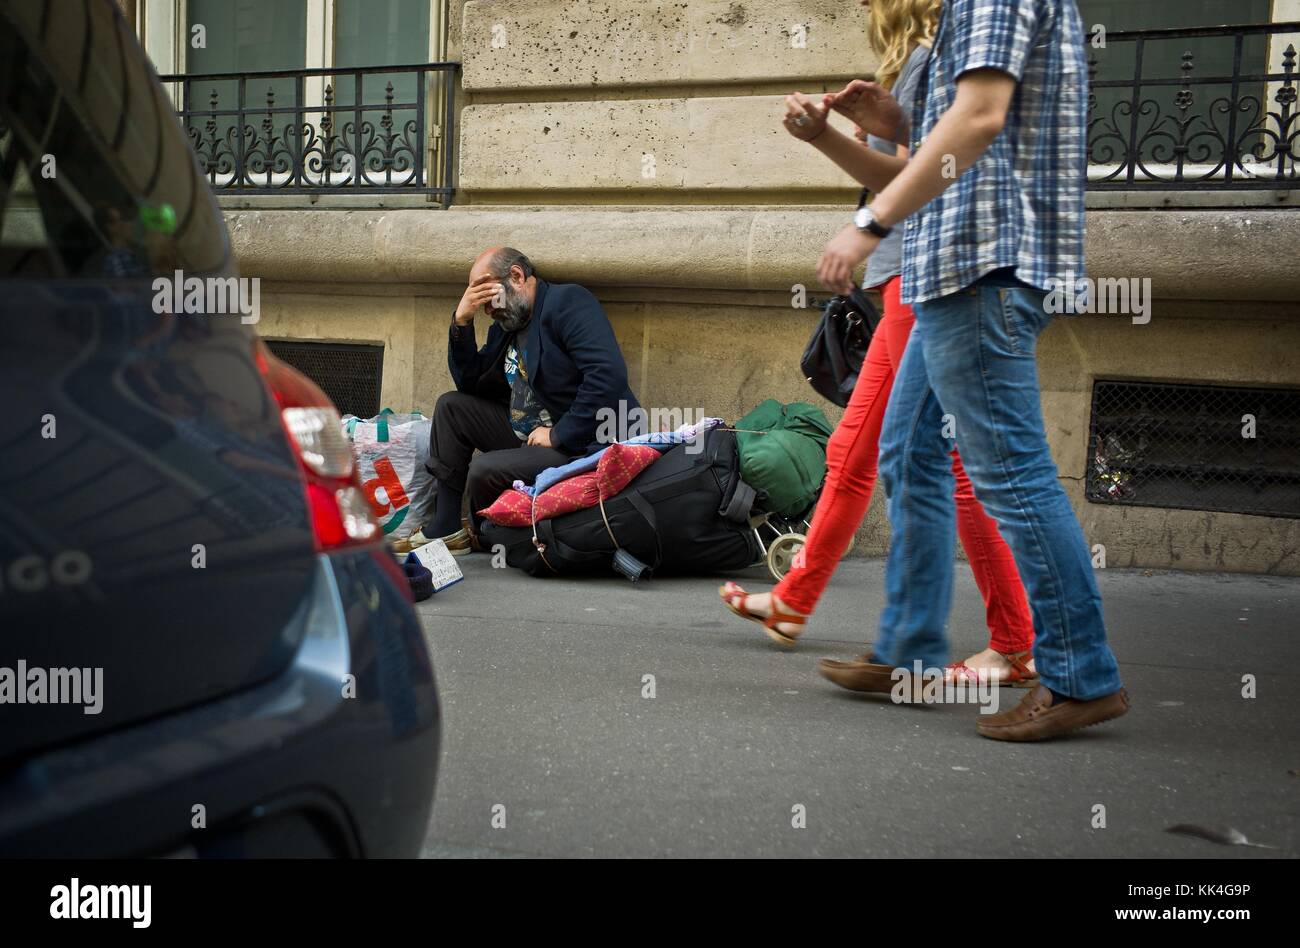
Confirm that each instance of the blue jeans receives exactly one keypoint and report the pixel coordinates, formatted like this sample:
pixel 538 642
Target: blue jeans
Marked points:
pixel 970 374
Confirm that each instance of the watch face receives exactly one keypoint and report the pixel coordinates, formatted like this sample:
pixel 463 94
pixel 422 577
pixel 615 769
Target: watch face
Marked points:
pixel 863 218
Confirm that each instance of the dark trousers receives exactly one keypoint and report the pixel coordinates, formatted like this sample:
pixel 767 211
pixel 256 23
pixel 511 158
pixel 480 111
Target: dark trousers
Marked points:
pixel 465 423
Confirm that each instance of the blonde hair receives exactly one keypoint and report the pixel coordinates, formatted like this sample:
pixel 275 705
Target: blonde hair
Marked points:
pixel 894 28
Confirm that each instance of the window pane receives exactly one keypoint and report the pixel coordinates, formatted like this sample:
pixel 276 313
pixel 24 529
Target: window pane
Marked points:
pixel 370 33
pixel 1162 59
pixel 1171 14
pixel 380 33
pixel 245 36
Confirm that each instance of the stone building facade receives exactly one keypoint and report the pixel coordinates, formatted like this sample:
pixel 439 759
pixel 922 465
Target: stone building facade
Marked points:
pixel 634 146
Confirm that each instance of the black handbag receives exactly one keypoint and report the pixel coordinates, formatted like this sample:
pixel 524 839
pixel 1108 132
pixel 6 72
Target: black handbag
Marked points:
pixel 833 358
pixel 838 347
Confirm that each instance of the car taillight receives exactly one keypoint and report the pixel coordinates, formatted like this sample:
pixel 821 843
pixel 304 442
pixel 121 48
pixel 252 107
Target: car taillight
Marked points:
pixel 318 434
pixel 340 515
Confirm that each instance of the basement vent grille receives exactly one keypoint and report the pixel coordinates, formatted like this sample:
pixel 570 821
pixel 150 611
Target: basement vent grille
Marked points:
pixel 1195 447
pixel 349 374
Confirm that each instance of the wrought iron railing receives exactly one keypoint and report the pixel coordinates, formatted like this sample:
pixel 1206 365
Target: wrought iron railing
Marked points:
pixel 1205 129
pixel 1231 124
pixel 323 131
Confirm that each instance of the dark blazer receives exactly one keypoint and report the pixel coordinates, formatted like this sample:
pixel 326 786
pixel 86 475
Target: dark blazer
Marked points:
pixel 573 362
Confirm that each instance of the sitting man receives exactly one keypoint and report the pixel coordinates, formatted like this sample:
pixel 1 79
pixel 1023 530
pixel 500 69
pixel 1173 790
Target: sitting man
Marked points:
pixel 529 399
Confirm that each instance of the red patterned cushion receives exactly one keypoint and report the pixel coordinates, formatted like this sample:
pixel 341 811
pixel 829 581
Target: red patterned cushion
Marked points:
pixel 510 509
pixel 617 467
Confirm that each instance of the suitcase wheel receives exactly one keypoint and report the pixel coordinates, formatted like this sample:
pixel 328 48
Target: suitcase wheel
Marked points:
pixel 782 552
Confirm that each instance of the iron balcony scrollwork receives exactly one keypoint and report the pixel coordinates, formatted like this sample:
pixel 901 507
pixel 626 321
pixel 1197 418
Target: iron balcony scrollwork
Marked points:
pixel 1234 129
pixel 308 141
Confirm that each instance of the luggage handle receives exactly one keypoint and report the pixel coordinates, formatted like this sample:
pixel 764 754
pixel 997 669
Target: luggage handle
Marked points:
pixel 381 425
pixel 657 494
pixel 742 502
pixel 648 514
pixel 547 540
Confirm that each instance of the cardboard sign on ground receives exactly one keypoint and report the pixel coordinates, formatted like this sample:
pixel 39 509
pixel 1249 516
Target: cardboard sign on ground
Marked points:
pixel 437 559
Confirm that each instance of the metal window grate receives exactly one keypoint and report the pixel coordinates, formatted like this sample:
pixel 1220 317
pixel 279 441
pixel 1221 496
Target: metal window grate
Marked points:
pixel 1195 447
pixel 350 374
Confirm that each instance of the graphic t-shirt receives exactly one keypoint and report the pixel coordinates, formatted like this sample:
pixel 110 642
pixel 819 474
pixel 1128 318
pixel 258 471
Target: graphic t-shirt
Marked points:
pixel 526 410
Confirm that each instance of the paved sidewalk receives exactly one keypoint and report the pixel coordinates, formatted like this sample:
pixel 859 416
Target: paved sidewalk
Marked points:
pixel 542 682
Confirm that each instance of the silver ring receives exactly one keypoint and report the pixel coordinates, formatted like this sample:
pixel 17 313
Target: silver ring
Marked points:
pixel 801 120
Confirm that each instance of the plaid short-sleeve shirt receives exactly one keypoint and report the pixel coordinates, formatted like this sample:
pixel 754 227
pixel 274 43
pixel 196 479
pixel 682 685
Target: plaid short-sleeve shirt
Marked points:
pixel 1021 205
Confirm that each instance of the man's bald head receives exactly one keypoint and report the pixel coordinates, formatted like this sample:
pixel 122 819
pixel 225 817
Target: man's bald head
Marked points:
pixel 499 262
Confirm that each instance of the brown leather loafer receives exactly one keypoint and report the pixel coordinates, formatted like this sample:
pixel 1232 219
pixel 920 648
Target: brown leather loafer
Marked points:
pixel 1037 719
pixel 858 675
pixel 872 678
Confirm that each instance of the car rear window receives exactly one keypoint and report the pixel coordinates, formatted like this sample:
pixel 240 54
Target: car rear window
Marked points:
pixel 97 180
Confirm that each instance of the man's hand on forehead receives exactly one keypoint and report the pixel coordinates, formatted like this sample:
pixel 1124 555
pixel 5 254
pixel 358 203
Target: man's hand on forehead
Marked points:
pixel 491 290
pixel 483 291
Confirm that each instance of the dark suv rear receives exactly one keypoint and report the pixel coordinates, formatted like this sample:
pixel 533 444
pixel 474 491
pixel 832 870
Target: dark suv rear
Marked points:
pixel 205 646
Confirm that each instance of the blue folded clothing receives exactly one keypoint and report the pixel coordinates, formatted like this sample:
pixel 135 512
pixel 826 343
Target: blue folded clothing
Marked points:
pixel 663 440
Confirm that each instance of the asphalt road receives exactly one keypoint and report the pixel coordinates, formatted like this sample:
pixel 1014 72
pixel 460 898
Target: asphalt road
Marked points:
pixel 547 731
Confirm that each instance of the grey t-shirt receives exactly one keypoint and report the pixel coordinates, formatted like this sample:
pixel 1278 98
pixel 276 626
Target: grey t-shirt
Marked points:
pixel 887 261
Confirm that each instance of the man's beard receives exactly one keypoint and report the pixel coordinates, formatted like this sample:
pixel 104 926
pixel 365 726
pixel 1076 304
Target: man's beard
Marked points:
pixel 515 312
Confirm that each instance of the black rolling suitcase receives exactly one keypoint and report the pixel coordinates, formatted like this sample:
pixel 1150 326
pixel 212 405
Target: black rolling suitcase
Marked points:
pixel 686 513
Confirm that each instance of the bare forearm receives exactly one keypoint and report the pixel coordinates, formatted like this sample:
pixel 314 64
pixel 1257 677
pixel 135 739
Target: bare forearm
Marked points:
pixel 870 168
pixel 956 143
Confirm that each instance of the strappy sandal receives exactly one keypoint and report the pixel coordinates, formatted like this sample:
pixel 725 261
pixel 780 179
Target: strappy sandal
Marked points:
pixel 733 597
pixel 1020 675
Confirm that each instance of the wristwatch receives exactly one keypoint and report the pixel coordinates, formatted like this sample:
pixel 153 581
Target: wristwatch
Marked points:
pixel 865 221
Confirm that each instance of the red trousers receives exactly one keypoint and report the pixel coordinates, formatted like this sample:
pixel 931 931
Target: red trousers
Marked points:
pixel 851 477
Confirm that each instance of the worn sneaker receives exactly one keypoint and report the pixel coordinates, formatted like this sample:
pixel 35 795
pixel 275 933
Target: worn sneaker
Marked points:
pixel 1037 719
pixel 459 543
pixel 408 544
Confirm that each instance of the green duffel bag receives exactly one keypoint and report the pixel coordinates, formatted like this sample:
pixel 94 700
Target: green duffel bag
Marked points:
pixel 788 460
